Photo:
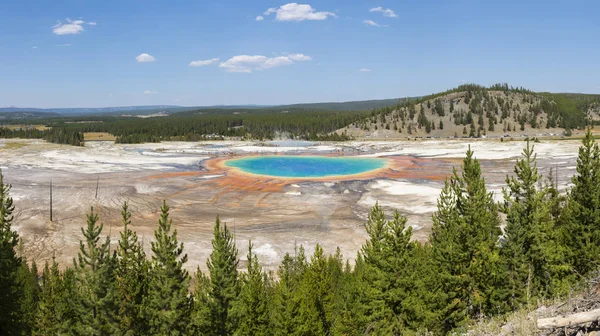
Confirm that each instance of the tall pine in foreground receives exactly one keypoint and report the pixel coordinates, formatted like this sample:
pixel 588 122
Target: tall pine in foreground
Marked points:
pixel 464 239
pixel 285 304
pixel 251 307
pixel 167 305
pixel 131 279
pixel 94 267
pixel 30 289
pixel 533 251
pixel 581 219
pixel 224 288
pixel 55 313
pixel 10 287
pixel 391 267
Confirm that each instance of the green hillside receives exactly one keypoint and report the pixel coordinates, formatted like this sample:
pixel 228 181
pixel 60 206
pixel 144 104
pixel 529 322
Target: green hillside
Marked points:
pixel 475 111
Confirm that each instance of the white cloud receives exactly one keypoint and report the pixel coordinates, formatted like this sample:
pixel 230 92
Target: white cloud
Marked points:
pixel 299 57
pixel 71 27
pixel 259 18
pixel 145 58
pixel 34 47
pixel 150 92
pixel 371 23
pixel 249 63
pixel 203 63
pixel 270 10
pixel 65 45
pixel 297 12
pixel 386 11
pixel 364 70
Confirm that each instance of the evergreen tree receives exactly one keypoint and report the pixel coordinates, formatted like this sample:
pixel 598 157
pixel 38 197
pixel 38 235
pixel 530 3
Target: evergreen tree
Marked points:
pixel 131 275
pixel 393 290
pixel 224 287
pixel 94 299
pixel 532 250
pixel 581 221
pixel 251 307
pixel 286 294
pixel 372 269
pixel 28 303
pixel 200 317
pixel 167 305
pixel 55 314
pixel 10 263
pixel 464 240
pixel 314 316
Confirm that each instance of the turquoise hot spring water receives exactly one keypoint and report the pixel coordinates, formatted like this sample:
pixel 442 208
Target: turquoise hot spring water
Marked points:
pixel 305 166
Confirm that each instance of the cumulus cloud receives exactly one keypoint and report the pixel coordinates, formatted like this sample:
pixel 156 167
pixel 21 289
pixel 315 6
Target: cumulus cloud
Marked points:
pixel 364 70
pixel 249 63
pixel 70 27
pixel 386 11
pixel 145 58
pixel 150 92
pixel 297 12
pixel 371 23
pixel 259 18
pixel 201 63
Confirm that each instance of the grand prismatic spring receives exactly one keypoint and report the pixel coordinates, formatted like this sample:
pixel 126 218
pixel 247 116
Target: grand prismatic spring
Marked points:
pixel 306 166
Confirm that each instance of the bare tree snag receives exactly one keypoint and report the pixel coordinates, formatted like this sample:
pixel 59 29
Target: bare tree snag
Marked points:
pixel 569 320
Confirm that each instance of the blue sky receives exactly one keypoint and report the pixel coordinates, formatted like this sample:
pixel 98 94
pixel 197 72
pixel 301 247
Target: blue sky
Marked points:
pixel 80 53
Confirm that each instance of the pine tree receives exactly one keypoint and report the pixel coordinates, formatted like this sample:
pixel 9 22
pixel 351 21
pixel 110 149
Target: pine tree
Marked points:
pixel 372 273
pixel 28 303
pixel 581 220
pixel 251 307
pixel 286 294
pixel 224 287
pixel 393 291
pixel 10 289
pixel 532 249
pixel 55 314
pixel 464 238
pixel 200 317
pixel 131 275
pixel 94 299
pixel 315 290
pixel 167 305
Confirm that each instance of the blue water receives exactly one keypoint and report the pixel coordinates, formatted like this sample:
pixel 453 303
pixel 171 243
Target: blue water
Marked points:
pixel 305 166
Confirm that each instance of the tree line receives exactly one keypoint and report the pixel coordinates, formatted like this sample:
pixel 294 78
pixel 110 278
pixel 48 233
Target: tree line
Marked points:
pixel 469 269
pixel 208 124
pixel 61 135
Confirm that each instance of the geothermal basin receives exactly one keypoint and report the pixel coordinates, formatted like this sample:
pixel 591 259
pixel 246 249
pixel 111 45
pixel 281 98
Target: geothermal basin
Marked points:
pixel 279 195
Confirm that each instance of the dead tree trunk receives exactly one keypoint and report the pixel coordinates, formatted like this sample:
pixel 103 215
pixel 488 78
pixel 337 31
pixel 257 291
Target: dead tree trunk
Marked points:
pixel 569 320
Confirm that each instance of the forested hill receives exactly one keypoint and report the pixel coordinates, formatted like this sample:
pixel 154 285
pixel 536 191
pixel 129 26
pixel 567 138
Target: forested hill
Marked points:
pixel 474 111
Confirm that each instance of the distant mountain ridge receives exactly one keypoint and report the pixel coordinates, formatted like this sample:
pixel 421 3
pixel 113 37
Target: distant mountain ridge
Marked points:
pixel 171 109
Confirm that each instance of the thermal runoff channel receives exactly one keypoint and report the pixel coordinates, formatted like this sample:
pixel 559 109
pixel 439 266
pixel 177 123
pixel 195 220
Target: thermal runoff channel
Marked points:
pixel 306 166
